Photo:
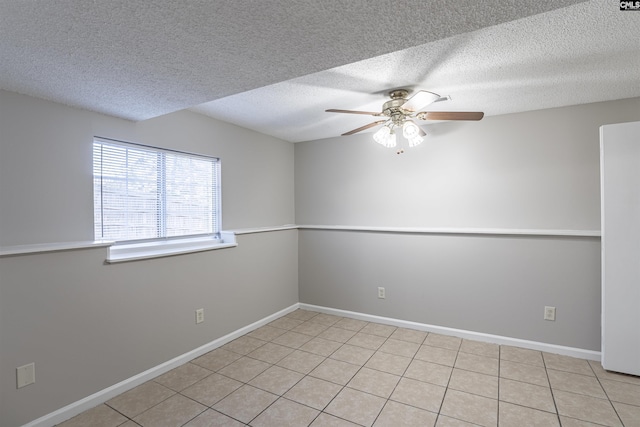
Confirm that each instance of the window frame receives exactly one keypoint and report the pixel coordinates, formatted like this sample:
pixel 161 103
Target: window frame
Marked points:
pixel 131 249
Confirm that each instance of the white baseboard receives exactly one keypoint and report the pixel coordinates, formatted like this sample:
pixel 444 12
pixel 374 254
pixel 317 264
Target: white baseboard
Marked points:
pixel 461 333
pixel 102 396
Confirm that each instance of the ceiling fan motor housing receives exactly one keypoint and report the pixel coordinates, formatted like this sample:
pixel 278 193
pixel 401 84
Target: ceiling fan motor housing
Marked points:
pixel 393 109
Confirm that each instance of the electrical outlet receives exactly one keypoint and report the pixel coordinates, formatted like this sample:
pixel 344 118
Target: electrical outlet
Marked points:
pixel 549 313
pixel 381 293
pixel 200 315
pixel 26 375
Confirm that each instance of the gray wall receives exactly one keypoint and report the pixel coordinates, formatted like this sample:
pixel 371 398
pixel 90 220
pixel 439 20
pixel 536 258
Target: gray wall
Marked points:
pixel 537 170
pixel 88 325
pixel 489 284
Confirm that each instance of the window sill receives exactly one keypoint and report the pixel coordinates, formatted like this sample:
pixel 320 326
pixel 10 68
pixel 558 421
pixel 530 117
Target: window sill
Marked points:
pixel 148 250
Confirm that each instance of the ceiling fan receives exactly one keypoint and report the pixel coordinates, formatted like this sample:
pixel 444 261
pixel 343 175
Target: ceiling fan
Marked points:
pixel 399 112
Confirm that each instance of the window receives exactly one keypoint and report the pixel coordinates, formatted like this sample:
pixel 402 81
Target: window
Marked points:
pixel 143 193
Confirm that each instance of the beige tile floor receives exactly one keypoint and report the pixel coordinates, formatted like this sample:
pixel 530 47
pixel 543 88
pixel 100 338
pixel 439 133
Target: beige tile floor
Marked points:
pixel 319 370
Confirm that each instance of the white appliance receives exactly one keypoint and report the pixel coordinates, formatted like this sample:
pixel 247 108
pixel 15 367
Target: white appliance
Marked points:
pixel 620 216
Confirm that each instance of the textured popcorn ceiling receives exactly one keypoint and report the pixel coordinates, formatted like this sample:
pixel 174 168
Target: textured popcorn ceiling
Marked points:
pixel 275 66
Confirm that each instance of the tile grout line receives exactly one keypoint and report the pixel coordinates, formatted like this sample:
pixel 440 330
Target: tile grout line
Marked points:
pixel 359 369
pixel 449 380
pixel 606 394
pixel 205 410
pixel 343 386
pixel 321 411
pixel 151 407
pixel 281 396
pixel 247 382
pixel 401 376
pixel 375 351
pixel 207 406
pixel 413 359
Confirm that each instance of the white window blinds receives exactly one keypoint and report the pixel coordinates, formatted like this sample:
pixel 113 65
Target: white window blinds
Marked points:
pixel 143 192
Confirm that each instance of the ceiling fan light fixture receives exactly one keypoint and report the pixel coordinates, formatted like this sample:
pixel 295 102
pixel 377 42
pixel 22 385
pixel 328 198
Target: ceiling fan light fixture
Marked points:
pixel 391 140
pixel 381 134
pixel 416 140
pixel 411 131
pixel 384 136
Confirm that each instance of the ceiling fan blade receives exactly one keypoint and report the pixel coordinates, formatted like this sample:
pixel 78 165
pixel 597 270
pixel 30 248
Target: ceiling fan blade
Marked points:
pixel 361 128
pixel 368 113
pixel 419 100
pixel 450 115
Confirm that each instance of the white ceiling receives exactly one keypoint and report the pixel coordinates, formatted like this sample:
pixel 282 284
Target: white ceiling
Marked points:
pixel 275 65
